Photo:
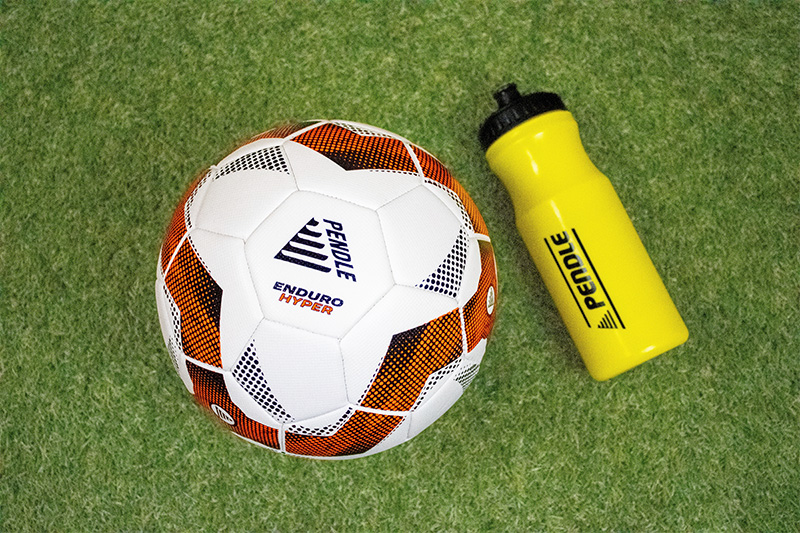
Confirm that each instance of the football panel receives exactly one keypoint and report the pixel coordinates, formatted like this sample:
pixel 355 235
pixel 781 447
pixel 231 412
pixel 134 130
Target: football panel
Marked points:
pixel 479 312
pixel 324 425
pixel 238 202
pixel 169 319
pixel 420 232
pixel 434 170
pixel 358 435
pixel 354 151
pixel 302 370
pixel 364 346
pixel 199 301
pixel 369 188
pixel 471 274
pixel 435 407
pixel 284 130
pixel 413 355
pixel 177 227
pixel 240 312
pixel 448 276
pixel 251 405
pixel 264 154
pixel 211 393
pixel 319 263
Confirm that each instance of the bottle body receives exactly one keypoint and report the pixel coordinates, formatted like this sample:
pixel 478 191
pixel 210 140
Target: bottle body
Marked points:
pixel 607 291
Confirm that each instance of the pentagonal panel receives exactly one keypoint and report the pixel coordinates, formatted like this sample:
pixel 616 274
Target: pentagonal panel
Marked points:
pixel 318 263
pixel 369 188
pixel 298 374
pixel 366 346
pixel 225 261
pixel 420 232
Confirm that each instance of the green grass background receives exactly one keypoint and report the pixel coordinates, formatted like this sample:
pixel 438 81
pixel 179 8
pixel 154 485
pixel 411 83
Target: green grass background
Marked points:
pixel 108 109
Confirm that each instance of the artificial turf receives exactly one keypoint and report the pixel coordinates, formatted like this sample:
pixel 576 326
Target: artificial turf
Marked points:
pixel 107 110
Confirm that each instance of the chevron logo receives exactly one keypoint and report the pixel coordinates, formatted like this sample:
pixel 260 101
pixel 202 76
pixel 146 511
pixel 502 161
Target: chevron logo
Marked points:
pixel 304 248
pixel 608 322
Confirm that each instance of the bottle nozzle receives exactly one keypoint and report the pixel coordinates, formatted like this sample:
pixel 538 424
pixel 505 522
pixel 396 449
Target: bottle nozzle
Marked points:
pixel 514 109
pixel 507 94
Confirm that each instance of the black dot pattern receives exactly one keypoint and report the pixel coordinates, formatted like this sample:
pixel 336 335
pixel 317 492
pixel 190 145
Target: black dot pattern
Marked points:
pixel 453 196
pixel 271 158
pixel 478 322
pixel 447 278
pixel 434 380
pixel 210 389
pixel 354 151
pixel 435 171
pixel 189 201
pixel 324 431
pixel 361 129
pixel 174 338
pixel 199 300
pixel 411 358
pixel 248 374
pixel 466 375
pixel 360 433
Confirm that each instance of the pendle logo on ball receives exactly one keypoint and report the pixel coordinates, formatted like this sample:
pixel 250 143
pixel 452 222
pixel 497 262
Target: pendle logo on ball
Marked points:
pixel 305 249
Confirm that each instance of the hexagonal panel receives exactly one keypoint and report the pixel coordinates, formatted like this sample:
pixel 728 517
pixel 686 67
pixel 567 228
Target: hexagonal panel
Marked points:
pixel 245 190
pixel 292 374
pixel 319 263
pixel 420 232
pixel 240 311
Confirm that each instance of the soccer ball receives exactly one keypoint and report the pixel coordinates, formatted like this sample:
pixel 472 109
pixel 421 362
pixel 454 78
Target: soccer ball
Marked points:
pixel 327 289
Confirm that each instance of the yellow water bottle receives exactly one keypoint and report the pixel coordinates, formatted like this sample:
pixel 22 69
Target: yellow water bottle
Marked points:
pixel 611 298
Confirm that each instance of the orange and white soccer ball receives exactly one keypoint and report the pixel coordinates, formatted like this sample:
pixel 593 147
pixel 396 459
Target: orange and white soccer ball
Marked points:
pixel 327 289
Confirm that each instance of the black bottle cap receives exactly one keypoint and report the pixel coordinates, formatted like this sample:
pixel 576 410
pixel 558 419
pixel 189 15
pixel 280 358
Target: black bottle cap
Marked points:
pixel 514 109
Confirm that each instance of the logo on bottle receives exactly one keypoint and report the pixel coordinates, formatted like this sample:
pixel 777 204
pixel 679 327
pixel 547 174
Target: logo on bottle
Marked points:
pixel 582 279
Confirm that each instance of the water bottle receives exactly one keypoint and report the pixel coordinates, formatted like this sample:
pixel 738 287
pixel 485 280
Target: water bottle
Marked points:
pixel 606 289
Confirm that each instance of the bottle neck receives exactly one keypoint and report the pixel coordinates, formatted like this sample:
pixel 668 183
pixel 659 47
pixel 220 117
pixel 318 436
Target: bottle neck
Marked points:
pixel 539 158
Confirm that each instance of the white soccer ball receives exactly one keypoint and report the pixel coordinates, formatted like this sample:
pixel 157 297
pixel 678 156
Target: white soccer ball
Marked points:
pixel 327 289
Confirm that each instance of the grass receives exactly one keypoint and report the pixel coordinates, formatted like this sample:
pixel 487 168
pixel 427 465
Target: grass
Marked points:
pixel 107 110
